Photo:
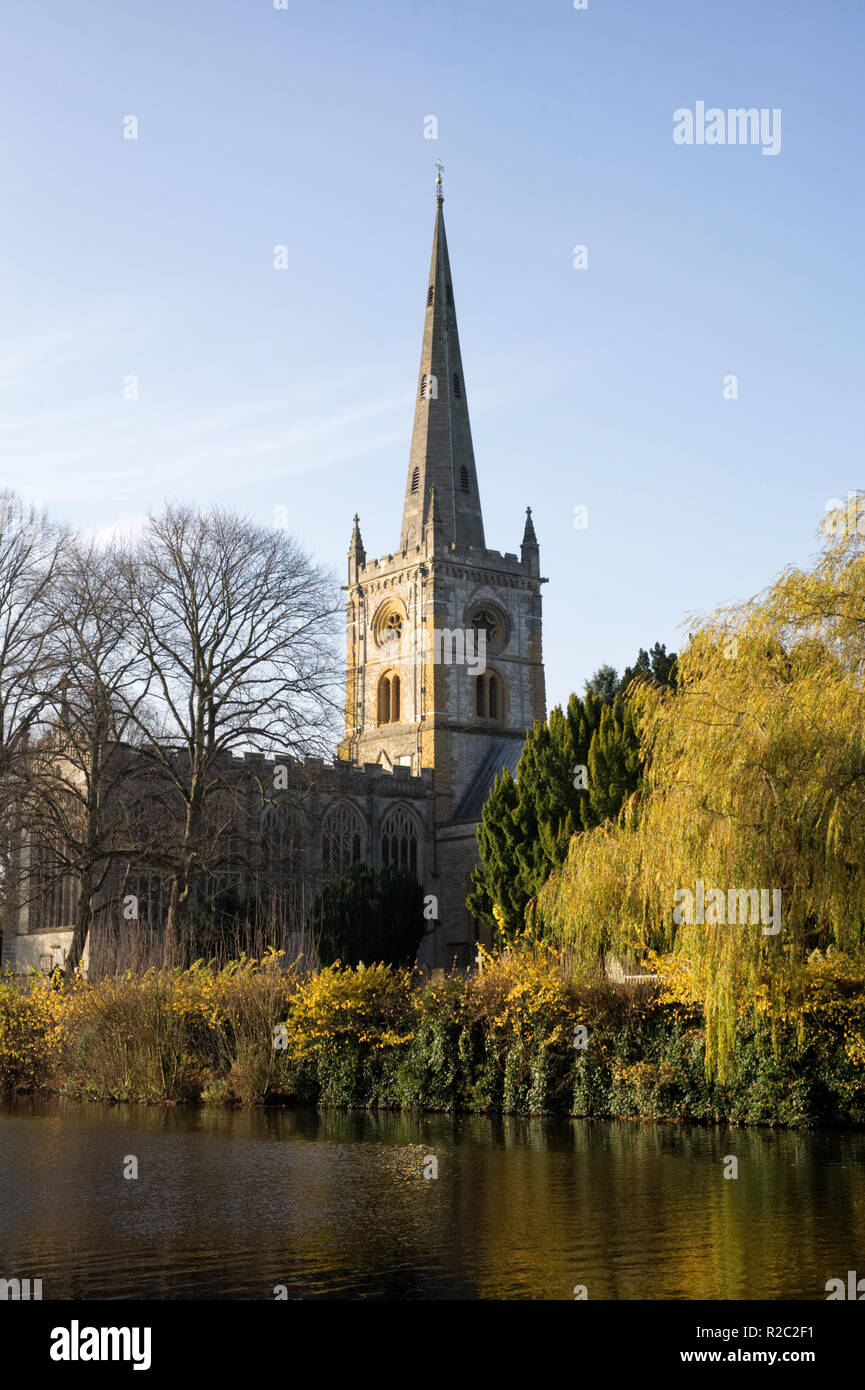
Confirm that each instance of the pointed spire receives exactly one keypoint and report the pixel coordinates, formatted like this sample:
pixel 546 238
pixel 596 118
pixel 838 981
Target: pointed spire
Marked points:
pixel 356 552
pixel 529 550
pixel 441 448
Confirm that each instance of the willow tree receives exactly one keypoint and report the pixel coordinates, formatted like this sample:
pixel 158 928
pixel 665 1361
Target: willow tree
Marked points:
pixel 754 787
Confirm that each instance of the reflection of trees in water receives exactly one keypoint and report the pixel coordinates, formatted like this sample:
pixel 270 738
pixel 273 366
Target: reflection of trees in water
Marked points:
pixel 233 1202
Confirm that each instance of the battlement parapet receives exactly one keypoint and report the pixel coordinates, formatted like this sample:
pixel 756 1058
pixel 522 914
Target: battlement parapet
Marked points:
pixel 333 775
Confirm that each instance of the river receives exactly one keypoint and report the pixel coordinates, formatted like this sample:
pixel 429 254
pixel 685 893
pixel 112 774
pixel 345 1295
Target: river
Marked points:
pixel 255 1204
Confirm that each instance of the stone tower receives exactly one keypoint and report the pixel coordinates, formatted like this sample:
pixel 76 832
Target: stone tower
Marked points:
pixel 444 660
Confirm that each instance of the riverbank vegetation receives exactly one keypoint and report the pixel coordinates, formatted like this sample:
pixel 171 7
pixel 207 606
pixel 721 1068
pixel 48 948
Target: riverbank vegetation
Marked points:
pixel 521 1035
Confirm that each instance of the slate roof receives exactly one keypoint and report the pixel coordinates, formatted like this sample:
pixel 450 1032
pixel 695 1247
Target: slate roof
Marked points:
pixel 505 752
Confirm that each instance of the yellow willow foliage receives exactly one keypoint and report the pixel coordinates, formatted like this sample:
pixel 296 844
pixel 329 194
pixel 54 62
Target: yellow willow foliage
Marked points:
pixel 755 781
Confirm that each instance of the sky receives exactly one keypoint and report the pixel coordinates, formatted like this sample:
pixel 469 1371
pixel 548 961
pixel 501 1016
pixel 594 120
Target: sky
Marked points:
pixel 150 349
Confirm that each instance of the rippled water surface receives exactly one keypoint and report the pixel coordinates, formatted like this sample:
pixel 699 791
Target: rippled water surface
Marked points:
pixel 230 1204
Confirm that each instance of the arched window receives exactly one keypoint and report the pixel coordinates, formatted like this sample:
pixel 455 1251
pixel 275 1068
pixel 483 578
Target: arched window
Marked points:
pixel 388 699
pixel 464 478
pixel 415 480
pixel 489 696
pixel 400 841
pixel 341 839
pixel 429 295
pixel 423 387
pixel 278 835
pixel 457 389
pixel 493 622
pixel 387 624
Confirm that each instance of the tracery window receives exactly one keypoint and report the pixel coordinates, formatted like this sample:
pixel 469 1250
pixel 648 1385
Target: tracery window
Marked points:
pixel 486 621
pixel 400 841
pixel 341 839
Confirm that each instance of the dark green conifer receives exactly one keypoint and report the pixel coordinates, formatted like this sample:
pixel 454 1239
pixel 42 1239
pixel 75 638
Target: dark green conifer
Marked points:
pixel 575 771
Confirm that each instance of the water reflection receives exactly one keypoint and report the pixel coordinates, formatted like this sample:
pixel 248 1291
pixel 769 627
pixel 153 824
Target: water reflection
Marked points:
pixel 229 1204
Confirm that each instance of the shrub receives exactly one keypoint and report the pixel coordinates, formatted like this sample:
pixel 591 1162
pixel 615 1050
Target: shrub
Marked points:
pixel 371 915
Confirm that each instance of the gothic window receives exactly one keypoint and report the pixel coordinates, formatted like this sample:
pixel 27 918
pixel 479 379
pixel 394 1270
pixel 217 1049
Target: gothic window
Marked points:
pixel 489 696
pixel 415 481
pixel 278 840
pixel 457 390
pixel 485 621
pixel 388 622
pixel 429 295
pixel 464 478
pixel 399 841
pixel 341 839
pixel 493 622
pixel 53 890
pixel 423 382
pixel 388 699
pixel 150 893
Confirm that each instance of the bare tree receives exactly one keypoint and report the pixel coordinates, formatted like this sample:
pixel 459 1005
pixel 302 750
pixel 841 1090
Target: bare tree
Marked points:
pixel 235 625
pixel 32 550
pixel 76 804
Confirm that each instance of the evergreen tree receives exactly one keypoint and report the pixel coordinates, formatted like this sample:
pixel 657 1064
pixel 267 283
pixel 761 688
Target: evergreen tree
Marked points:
pixel 370 915
pixel 658 665
pixel 575 772
pixel 604 684
pixel 614 760
pixel 526 825
pixel 494 885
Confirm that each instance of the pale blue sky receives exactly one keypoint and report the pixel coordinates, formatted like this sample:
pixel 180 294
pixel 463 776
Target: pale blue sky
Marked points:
pixel 262 388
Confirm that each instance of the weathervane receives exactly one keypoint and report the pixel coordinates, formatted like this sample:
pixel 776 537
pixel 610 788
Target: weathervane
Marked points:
pixel 441 169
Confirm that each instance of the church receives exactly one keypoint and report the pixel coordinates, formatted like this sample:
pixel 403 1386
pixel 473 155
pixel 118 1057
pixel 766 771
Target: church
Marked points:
pixel 444 676
pixel 435 713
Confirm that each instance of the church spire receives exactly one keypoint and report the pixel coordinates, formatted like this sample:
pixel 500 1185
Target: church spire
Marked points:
pixel 441 455
pixel 529 550
pixel 356 552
